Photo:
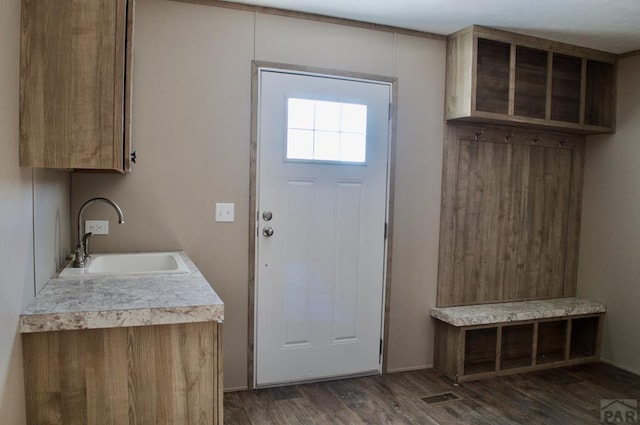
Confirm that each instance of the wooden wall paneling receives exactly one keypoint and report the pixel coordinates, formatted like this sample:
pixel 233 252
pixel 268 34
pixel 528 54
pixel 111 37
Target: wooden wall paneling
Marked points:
pixel 447 286
pixel 510 215
pixel 545 224
pixel 513 218
pixel 575 215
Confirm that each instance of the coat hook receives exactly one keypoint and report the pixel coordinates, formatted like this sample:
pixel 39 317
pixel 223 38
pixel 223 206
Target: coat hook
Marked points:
pixel 561 143
pixel 477 135
pixel 535 140
pixel 508 137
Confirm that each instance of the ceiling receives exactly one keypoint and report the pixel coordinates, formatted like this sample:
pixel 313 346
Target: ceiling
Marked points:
pixel 609 25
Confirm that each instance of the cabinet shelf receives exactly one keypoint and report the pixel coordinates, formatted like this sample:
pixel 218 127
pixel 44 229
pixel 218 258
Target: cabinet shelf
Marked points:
pixel 502 77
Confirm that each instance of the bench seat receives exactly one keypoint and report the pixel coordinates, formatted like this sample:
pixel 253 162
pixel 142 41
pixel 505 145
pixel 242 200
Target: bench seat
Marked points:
pixel 487 340
pixel 486 314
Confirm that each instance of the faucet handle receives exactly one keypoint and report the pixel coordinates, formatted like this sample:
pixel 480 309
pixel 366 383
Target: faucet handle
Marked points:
pixel 79 260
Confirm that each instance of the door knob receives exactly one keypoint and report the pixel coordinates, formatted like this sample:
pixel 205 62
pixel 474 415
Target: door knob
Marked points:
pixel 267 232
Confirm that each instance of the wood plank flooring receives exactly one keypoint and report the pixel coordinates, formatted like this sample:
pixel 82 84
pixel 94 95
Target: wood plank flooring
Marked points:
pixel 564 396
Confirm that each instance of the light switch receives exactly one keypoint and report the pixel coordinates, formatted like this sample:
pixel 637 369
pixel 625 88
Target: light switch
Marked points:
pixel 224 212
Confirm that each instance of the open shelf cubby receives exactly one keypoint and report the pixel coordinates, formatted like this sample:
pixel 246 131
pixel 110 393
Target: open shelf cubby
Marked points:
pixel 565 88
pixel 551 341
pixel 516 348
pixel 467 353
pixel 492 92
pixel 530 82
pixel 584 337
pixel 501 77
pixel 480 350
pixel 599 87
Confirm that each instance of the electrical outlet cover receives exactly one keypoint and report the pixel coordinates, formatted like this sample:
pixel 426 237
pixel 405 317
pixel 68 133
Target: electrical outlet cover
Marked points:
pixel 96 227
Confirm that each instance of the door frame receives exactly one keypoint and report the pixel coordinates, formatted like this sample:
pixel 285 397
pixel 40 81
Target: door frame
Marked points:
pixel 256 66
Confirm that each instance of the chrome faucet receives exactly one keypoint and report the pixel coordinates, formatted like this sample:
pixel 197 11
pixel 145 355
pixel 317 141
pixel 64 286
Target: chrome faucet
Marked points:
pixel 82 250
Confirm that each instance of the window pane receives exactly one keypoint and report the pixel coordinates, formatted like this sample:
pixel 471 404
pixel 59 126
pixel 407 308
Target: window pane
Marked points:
pixel 354 118
pixel 300 144
pixel 300 113
pixel 327 146
pixel 326 131
pixel 327 116
pixel 353 147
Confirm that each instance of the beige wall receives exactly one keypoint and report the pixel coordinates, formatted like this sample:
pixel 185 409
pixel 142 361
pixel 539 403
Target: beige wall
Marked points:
pixel 610 240
pixel 192 115
pixel 29 199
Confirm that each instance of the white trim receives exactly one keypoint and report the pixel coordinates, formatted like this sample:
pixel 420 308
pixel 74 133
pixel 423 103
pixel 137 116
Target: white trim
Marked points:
pixel 235 389
pixel 410 368
pixel 619 366
pixel 383 81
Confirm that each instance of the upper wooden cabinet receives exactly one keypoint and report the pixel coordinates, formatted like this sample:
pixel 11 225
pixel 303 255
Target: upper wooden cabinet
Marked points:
pixel 502 77
pixel 75 84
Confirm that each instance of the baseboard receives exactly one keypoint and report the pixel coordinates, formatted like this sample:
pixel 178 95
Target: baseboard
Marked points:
pixel 409 369
pixel 234 389
pixel 395 370
pixel 619 366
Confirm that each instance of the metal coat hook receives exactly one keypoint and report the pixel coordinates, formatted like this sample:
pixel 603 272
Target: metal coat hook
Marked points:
pixel 535 140
pixel 477 135
pixel 508 137
pixel 562 142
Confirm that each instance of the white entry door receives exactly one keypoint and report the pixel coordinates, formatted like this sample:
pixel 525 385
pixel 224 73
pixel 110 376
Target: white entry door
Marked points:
pixel 323 146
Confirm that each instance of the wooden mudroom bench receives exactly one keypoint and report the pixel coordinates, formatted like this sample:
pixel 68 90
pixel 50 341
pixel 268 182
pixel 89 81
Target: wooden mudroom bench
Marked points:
pixel 486 340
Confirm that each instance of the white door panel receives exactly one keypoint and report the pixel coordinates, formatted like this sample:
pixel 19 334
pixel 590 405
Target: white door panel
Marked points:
pixel 320 276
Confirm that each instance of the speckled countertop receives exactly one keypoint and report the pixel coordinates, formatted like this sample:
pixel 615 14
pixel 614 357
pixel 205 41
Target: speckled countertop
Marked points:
pixel 123 300
pixel 482 314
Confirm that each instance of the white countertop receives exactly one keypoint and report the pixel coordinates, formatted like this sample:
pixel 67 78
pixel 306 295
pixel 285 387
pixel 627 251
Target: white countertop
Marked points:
pixel 484 314
pixel 123 300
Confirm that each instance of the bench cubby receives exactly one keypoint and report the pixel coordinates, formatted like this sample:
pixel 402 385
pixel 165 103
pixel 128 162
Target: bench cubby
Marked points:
pixel 481 341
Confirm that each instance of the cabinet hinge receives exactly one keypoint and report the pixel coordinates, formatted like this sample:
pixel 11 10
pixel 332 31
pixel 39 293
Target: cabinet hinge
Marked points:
pixel 380 353
pixel 390 110
pixel 386 230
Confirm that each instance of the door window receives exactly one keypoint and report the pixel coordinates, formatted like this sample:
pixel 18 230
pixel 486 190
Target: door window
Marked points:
pixel 320 130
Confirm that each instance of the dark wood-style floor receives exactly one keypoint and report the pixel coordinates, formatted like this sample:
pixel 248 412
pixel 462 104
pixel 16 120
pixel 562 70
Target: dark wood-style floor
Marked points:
pixel 559 396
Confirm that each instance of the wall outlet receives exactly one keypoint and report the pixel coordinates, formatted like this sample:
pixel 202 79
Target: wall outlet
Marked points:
pixel 224 212
pixel 96 227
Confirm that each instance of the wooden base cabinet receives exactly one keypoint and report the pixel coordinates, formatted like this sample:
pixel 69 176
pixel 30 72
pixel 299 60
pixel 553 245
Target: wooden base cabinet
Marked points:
pixel 165 374
pixel 473 352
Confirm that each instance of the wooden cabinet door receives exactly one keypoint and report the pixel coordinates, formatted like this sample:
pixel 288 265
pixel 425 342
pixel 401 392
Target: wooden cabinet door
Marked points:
pixel 73 97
